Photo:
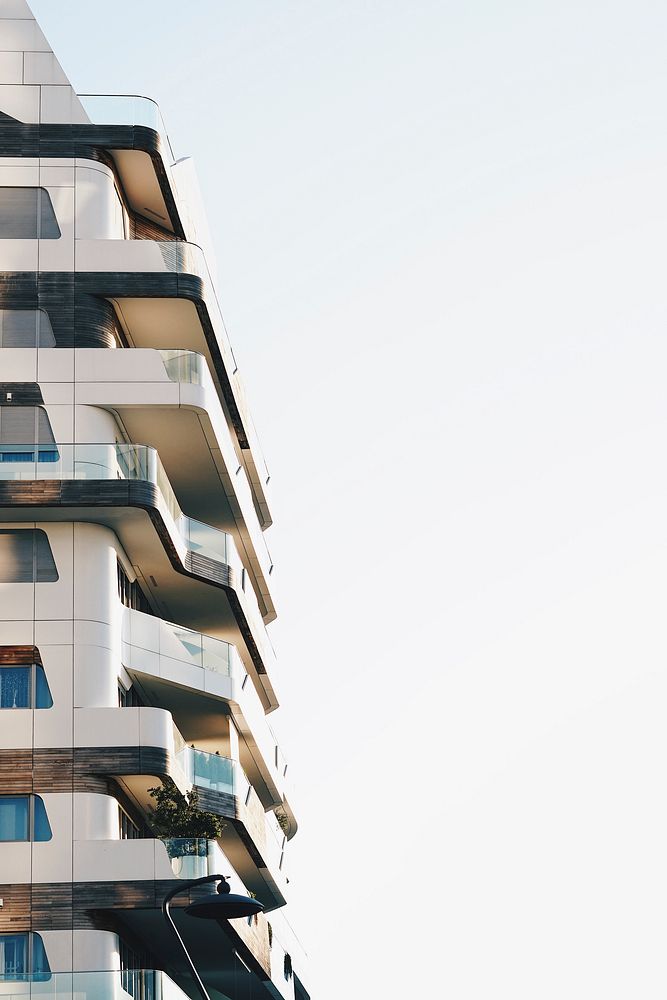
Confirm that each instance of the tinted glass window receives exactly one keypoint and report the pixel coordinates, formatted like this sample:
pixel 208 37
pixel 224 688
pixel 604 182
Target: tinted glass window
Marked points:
pixel 43 697
pixel 25 328
pixel 14 817
pixel 13 956
pixel 27 214
pixel 23 956
pixel 41 825
pixel 15 685
pixel 26 557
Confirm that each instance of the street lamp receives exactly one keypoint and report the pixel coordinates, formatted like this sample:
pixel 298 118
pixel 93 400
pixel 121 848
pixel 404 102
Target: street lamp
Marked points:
pixel 223 907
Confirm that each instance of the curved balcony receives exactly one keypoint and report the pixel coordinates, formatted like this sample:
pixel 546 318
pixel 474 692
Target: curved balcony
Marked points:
pixel 225 789
pixel 141 745
pixel 156 860
pixel 117 269
pixel 126 109
pixel 165 658
pixel 168 399
pixel 134 462
pixel 91 475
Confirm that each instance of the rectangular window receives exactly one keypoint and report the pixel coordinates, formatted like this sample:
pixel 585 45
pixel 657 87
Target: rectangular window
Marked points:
pixel 127 828
pixel 14 817
pixel 26 213
pixel 14 956
pixel 131 594
pixel 129 697
pixel 24 686
pixel 135 978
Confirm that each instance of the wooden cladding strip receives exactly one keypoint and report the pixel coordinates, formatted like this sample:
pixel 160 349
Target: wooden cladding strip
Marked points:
pixel 79 769
pixel 142 228
pixel 81 905
pixel 19 655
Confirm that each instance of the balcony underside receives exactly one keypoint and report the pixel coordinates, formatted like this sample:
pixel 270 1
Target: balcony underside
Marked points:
pixel 198 591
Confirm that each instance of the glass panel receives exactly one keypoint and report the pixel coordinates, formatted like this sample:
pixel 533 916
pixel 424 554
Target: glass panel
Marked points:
pixel 184 366
pixel 41 821
pixel 43 697
pixel 189 857
pixel 41 970
pixel 13 956
pixel 14 817
pixel 205 540
pixel 25 328
pixel 15 687
pixel 213 771
pixel 217 655
pixel 27 213
pixel 125 109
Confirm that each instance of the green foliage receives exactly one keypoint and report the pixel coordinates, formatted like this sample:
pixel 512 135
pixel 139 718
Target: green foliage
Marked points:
pixel 179 816
pixel 283 821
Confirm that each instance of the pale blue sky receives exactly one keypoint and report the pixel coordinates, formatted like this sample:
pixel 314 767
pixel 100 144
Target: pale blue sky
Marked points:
pixel 440 231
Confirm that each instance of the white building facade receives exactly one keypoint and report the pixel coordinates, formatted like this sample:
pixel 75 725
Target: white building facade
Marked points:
pixel 135 581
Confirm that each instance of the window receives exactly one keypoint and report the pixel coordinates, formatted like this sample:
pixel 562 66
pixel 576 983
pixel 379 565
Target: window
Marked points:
pixel 26 435
pixel 26 557
pixel 23 956
pixel 128 697
pixel 131 594
pixel 27 214
pixel 23 818
pixel 136 979
pixel 24 686
pixel 25 328
pixel 127 828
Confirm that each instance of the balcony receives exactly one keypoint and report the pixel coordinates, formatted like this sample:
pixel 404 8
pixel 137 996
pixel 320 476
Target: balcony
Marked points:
pixel 102 480
pixel 179 271
pixel 168 660
pixel 132 129
pixel 152 859
pixel 141 745
pixel 126 109
pixel 167 398
pixel 225 789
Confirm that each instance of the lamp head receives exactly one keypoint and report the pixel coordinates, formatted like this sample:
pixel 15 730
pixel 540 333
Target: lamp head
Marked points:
pixel 225 905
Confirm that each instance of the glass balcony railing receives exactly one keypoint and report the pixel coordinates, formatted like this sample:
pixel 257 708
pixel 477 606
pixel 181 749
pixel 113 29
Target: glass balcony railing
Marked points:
pixel 206 651
pixel 126 109
pixel 185 366
pixel 120 984
pixel 194 858
pixel 213 771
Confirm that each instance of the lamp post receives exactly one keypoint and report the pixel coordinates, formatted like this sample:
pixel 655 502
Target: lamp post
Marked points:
pixel 225 906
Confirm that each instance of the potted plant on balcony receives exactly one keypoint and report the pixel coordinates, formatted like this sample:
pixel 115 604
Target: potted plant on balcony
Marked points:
pixel 180 823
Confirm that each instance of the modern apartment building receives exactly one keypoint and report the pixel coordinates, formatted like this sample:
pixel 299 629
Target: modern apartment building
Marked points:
pixel 135 581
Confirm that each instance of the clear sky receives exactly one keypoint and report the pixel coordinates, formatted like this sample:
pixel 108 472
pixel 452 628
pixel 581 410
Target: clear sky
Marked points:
pixel 441 235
